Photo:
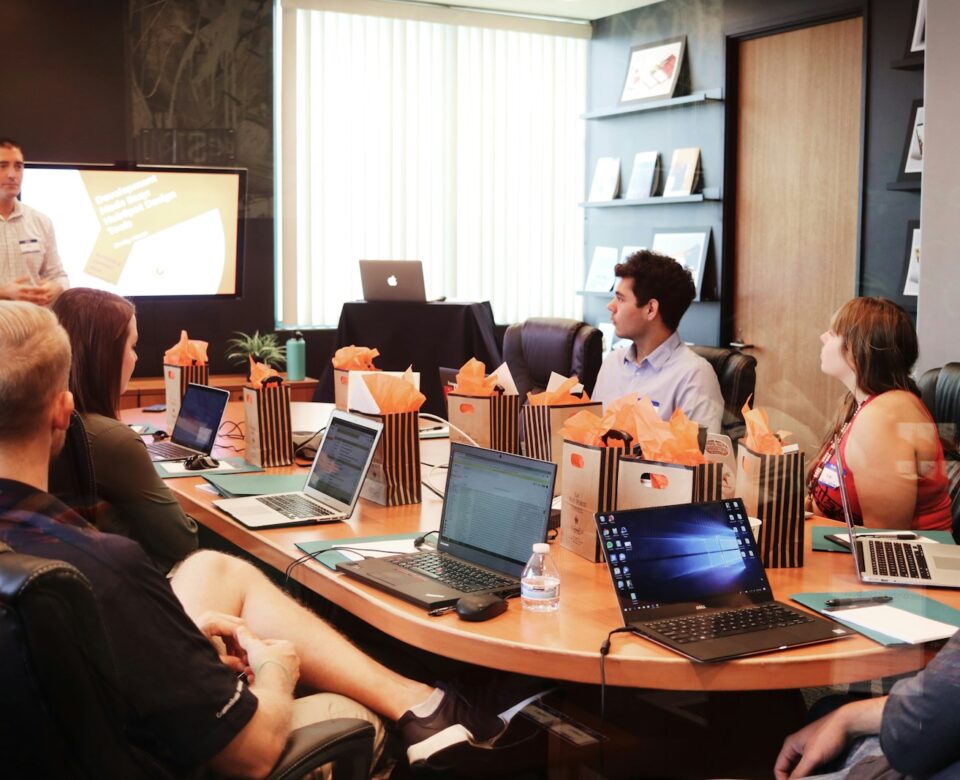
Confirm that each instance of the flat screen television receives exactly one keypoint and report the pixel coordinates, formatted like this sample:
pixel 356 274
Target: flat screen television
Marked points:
pixel 144 231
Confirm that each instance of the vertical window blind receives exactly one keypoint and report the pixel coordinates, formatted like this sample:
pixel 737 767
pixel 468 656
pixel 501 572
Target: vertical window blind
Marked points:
pixel 460 146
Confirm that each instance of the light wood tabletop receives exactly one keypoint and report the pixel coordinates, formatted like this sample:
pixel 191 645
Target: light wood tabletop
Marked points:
pixel 562 645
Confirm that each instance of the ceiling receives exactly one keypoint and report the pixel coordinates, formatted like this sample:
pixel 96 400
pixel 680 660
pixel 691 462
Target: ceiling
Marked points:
pixel 565 9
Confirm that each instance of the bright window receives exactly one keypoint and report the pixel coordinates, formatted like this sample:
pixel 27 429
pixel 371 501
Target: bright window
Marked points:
pixel 460 146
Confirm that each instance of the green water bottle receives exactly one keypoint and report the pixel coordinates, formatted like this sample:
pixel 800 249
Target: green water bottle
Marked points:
pixel 296 357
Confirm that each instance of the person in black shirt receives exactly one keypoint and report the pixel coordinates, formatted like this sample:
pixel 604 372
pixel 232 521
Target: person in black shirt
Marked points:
pixel 208 660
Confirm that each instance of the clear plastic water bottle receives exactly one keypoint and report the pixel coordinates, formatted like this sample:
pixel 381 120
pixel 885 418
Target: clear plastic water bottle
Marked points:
pixel 540 581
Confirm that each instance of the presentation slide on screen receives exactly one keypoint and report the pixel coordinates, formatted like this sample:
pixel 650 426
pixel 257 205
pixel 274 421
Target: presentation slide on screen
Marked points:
pixel 141 232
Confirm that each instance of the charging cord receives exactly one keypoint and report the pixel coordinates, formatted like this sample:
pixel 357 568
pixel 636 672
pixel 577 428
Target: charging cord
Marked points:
pixel 459 430
pixel 604 650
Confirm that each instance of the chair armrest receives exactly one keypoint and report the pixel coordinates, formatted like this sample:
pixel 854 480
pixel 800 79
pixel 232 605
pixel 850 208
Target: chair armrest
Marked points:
pixel 346 742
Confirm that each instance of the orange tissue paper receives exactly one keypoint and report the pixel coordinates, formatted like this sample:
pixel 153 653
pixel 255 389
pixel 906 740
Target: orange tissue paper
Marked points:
pixel 561 396
pixel 394 394
pixel 759 437
pixel 355 358
pixel 471 380
pixel 260 373
pixel 186 352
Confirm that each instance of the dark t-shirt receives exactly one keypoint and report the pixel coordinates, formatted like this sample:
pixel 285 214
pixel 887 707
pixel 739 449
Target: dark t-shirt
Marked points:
pixel 183 705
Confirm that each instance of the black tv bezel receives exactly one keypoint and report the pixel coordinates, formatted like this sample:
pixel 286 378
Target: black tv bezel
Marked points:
pixel 241 215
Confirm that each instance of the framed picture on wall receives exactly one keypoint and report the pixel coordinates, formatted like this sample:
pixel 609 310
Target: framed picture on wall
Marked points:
pixel 919 40
pixel 688 246
pixel 654 70
pixel 911 271
pixel 911 162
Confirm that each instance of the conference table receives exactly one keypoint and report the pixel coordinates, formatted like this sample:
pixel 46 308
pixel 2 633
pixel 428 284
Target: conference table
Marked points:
pixel 564 645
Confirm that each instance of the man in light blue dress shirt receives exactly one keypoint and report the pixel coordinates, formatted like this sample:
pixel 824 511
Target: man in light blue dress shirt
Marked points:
pixel 652 296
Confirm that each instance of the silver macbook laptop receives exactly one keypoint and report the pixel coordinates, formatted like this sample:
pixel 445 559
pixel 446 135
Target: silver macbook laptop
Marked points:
pixel 689 577
pixel 894 561
pixel 195 431
pixel 496 506
pixel 392 280
pixel 332 487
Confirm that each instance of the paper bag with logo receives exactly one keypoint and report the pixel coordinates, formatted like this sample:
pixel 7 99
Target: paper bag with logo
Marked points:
pixel 544 415
pixel 670 469
pixel 183 364
pixel 485 408
pixel 345 360
pixel 394 476
pixel 268 439
pixel 770 481
pixel 590 455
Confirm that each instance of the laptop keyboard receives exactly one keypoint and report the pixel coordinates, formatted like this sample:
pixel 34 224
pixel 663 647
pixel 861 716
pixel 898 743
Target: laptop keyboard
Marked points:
pixel 715 625
pixel 458 575
pixel 296 507
pixel 165 449
pixel 899 560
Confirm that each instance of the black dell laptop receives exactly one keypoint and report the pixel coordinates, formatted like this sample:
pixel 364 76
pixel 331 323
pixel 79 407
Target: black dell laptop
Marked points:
pixel 496 506
pixel 689 577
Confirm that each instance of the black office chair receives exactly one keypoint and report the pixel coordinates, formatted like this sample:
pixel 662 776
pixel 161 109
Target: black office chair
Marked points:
pixel 62 714
pixel 940 390
pixel 71 474
pixel 534 348
pixel 737 374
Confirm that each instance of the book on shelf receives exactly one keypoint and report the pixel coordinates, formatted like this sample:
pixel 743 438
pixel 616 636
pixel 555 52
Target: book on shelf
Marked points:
pixel 684 176
pixel 645 176
pixel 601 276
pixel 606 180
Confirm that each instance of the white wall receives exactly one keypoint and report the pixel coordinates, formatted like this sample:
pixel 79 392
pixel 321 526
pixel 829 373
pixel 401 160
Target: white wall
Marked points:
pixel 938 319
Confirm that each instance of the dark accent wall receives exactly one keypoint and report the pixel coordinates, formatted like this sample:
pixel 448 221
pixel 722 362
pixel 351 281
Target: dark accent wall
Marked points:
pixel 710 26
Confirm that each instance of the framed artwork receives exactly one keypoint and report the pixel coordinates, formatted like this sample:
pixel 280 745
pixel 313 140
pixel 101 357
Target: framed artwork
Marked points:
pixel 688 246
pixel 918 42
pixel 911 162
pixel 911 273
pixel 653 70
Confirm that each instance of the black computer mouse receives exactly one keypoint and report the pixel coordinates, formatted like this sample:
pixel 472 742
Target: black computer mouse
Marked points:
pixel 200 462
pixel 477 607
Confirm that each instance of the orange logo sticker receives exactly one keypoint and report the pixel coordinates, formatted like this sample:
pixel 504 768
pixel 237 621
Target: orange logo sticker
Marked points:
pixel 576 460
pixel 467 409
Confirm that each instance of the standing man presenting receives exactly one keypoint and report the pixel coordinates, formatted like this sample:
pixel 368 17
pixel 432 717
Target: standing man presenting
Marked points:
pixel 30 268
pixel 653 294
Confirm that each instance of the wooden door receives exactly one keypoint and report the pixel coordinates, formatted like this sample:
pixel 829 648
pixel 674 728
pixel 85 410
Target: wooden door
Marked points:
pixel 797 195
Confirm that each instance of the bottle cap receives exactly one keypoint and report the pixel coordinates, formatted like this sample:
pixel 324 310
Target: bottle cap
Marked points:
pixel 541 547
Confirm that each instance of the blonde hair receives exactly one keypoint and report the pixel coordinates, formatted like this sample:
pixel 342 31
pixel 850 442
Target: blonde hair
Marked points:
pixel 34 366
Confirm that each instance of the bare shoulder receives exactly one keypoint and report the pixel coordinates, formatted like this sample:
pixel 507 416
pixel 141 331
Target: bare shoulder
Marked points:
pixel 895 406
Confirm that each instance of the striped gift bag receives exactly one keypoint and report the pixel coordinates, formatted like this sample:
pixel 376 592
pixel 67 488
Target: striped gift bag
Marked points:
pixel 491 421
pixel 647 483
pixel 589 487
pixel 394 476
pixel 541 431
pixel 268 439
pixel 175 381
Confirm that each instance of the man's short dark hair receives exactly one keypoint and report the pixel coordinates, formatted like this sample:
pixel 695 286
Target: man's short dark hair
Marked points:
pixel 661 277
pixel 6 143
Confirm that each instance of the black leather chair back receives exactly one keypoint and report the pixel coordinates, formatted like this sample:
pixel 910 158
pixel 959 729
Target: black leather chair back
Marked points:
pixel 940 390
pixel 737 374
pixel 534 348
pixel 72 478
pixel 62 715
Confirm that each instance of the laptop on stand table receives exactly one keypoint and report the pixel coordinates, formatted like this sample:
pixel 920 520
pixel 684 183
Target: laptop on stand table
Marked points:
pixel 198 422
pixel 332 486
pixel 689 577
pixel 893 561
pixel 392 280
pixel 495 507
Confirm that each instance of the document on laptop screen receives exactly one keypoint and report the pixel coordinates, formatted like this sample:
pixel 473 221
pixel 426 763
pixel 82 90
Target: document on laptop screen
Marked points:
pixel 340 465
pixel 495 506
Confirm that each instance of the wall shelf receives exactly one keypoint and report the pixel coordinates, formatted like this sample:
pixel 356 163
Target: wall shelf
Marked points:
pixel 910 62
pixel 910 186
pixel 709 194
pixel 709 95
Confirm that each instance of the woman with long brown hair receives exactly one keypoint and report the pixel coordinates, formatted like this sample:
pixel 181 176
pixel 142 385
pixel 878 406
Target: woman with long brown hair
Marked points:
pixel 103 336
pixel 895 474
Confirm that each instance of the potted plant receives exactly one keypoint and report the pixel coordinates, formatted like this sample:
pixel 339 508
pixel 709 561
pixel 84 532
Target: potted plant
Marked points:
pixel 263 348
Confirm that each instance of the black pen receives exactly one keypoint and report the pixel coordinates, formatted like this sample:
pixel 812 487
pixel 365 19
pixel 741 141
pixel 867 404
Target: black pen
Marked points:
pixel 856 602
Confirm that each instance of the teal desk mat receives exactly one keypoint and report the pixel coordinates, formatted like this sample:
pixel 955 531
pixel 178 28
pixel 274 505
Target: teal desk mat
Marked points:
pixel 232 485
pixel 240 466
pixel 145 429
pixel 322 553
pixel 825 545
pixel 904 599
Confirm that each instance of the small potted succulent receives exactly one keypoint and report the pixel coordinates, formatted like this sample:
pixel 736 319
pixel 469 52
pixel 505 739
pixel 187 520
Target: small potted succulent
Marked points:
pixel 263 348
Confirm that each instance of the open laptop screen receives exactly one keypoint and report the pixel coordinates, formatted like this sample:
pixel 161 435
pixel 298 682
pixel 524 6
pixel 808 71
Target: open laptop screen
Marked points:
pixel 496 506
pixel 341 463
pixel 687 554
pixel 199 419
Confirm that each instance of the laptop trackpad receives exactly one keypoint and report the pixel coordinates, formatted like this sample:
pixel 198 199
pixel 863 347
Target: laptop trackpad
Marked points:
pixel 946 562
